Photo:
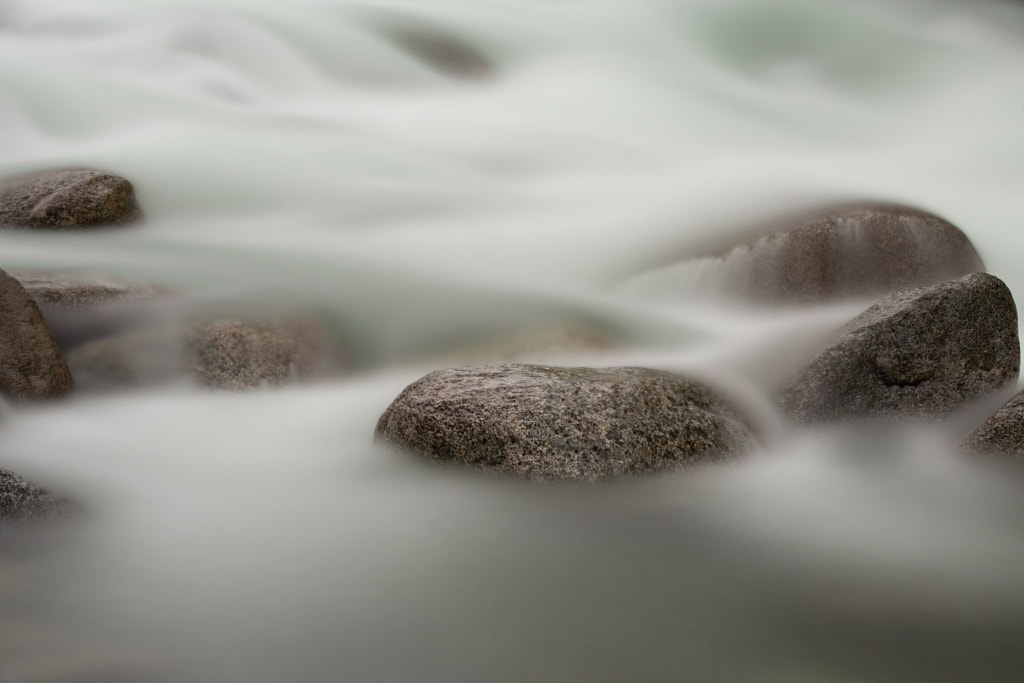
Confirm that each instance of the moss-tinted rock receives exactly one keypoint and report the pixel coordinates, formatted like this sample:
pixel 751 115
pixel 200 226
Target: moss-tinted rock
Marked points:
pixel 542 422
pixel 68 198
pixel 848 253
pixel 31 366
pixel 922 353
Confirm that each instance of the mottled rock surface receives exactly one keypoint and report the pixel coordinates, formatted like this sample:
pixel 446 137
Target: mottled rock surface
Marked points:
pixel 848 253
pixel 31 366
pixel 1001 434
pixel 541 422
pixel 21 501
pixel 73 291
pixel 68 198
pixel 922 353
pixel 222 354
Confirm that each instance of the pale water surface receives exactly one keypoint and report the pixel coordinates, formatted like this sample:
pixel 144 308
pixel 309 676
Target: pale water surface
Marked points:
pixel 543 179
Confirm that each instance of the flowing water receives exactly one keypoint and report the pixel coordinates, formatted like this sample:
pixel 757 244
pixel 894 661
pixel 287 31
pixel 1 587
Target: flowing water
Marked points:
pixel 447 180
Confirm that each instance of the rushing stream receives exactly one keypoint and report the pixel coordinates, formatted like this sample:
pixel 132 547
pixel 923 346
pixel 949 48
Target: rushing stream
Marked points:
pixel 445 181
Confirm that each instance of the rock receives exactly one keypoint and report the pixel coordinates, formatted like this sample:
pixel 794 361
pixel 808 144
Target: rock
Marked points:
pixel 31 366
pixel 923 353
pixel 21 501
pixel 72 291
pixel 68 198
pixel 223 354
pixel 1001 434
pixel 542 422
pixel 849 253
pixel 437 48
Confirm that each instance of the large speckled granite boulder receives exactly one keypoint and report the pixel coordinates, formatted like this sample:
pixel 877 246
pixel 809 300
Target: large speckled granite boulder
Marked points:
pixel 1001 434
pixel 849 253
pixel 67 198
pixel 922 353
pixel 541 422
pixel 22 501
pixel 31 366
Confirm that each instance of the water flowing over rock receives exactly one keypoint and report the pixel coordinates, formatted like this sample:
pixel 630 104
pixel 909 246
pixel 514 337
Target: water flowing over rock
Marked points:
pixel 72 291
pixel 542 422
pixel 68 198
pixel 31 366
pixel 854 252
pixel 922 353
pixel 22 501
pixel 1001 434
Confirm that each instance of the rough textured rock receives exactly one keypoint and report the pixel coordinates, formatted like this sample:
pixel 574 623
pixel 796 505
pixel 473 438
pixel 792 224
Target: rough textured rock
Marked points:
pixel 922 353
pixel 72 291
pixel 1001 434
pixel 21 501
pixel 31 366
pixel 223 354
pixel 542 422
pixel 848 253
pixel 68 198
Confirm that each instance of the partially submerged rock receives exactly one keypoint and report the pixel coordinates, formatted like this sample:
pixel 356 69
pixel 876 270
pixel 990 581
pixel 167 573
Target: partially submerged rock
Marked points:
pixel 68 198
pixel 222 354
pixel 850 253
pixel 438 48
pixel 1001 434
pixel 66 291
pixel 31 366
pixel 22 501
pixel 542 422
pixel 922 353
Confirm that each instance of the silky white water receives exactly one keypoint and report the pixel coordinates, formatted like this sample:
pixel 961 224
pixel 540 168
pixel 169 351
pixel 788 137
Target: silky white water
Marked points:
pixel 429 209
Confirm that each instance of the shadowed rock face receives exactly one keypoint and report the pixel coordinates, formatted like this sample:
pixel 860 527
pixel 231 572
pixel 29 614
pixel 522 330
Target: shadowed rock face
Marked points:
pixel 31 366
pixel 21 501
pixel 1001 434
pixel 68 198
pixel 541 422
pixel 922 353
pixel 851 253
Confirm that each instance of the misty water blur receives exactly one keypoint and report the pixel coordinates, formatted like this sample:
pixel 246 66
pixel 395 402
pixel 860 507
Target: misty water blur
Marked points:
pixel 450 181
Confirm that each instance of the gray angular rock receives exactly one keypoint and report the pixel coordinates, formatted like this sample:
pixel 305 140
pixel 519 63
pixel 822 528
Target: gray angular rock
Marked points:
pixel 923 353
pixel 542 422
pixel 31 366
pixel 21 501
pixel 1002 433
pixel 848 253
pixel 68 198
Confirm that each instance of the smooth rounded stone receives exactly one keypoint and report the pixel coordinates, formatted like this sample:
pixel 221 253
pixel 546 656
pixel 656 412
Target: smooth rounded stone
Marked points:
pixel 31 366
pixel 65 291
pixel 923 353
pixel 223 354
pixel 543 422
pixel 849 253
pixel 68 198
pixel 1001 434
pixel 21 501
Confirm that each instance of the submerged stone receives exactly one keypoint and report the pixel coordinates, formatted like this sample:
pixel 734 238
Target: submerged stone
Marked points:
pixel 922 353
pixel 68 198
pixel 71 291
pixel 31 366
pixel 22 501
pixel 542 422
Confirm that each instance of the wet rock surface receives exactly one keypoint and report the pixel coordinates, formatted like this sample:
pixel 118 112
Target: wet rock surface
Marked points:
pixel 848 253
pixel 543 422
pixel 31 366
pixel 68 198
pixel 923 353
pixel 1001 434
pixel 22 501
pixel 66 291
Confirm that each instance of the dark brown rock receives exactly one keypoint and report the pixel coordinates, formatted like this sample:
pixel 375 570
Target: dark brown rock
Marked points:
pixel 850 253
pixel 922 353
pixel 66 199
pixel 31 366
pixel 21 501
pixel 542 422
pixel 1001 434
